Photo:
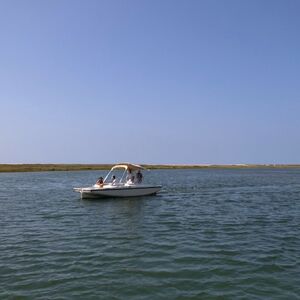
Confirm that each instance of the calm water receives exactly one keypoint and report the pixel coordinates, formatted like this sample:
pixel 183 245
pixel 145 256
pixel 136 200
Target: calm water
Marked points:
pixel 210 234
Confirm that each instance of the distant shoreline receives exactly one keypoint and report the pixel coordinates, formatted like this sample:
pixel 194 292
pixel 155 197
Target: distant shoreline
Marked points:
pixel 87 167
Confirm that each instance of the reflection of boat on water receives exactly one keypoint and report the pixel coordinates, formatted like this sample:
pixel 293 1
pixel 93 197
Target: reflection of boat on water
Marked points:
pixel 125 187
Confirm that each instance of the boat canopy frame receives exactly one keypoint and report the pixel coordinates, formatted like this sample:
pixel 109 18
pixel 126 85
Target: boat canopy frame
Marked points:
pixel 126 167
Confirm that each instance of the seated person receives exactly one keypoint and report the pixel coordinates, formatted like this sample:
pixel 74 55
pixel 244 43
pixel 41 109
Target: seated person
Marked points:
pixel 129 175
pixel 100 182
pixel 113 180
pixel 130 180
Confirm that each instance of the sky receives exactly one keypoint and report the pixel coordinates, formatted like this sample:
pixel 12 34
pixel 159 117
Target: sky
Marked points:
pixel 158 81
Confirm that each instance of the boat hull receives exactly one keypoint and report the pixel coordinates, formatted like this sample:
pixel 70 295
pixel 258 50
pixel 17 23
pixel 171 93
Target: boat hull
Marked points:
pixel 117 192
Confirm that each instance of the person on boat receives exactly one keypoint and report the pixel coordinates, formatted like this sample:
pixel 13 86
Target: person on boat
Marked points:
pixel 100 182
pixel 113 180
pixel 139 177
pixel 129 175
pixel 131 180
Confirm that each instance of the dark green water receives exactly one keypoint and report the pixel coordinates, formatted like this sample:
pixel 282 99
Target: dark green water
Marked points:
pixel 210 234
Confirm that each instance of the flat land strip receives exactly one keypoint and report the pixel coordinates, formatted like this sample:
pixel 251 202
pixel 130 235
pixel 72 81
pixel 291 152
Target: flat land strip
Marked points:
pixel 83 167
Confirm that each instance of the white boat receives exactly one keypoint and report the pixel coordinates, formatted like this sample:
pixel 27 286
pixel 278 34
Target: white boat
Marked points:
pixel 121 188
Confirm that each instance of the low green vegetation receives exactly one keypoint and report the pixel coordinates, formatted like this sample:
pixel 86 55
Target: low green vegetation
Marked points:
pixel 82 167
pixel 51 167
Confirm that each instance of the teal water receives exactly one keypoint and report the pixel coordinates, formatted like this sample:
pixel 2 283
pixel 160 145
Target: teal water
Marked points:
pixel 210 234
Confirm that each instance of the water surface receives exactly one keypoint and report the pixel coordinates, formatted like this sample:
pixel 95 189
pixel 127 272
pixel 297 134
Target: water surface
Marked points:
pixel 210 234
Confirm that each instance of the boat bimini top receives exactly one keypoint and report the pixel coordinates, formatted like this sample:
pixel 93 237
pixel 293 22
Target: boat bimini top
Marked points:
pixel 126 167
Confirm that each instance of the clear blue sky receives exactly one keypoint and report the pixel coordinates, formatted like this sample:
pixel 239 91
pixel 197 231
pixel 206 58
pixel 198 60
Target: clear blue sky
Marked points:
pixel 150 81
